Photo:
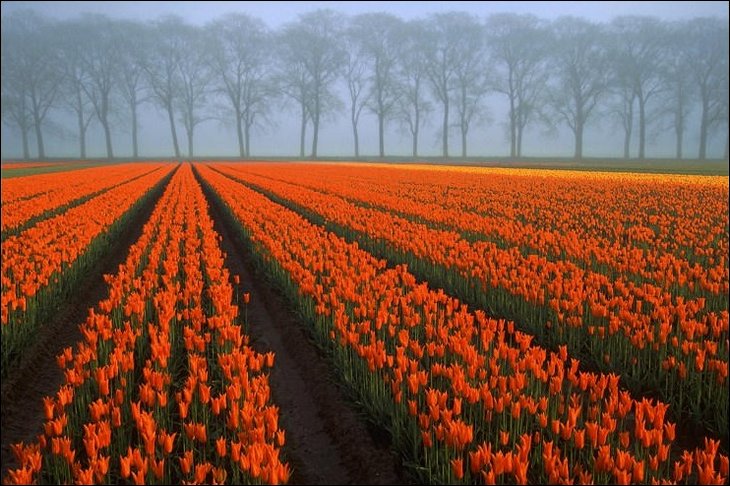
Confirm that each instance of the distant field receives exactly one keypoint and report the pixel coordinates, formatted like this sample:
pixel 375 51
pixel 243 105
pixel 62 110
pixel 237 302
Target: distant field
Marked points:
pixel 11 170
pixel 668 166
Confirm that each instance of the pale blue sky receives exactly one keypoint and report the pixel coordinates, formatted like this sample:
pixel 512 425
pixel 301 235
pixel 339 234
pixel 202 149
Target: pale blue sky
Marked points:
pixel 276 13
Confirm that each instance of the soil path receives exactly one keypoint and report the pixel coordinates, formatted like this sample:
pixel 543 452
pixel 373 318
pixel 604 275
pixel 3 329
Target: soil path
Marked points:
pixel 328 442
pixel 38 375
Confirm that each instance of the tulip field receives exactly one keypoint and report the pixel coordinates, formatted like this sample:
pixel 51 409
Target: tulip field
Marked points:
pixel 498 326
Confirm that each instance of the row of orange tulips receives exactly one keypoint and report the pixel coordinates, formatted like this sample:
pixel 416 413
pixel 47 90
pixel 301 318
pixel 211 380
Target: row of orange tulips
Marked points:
pixel 625 224
pixel 673 346
pixel 466 397
pixel 17 188
pixel 42 265
pixel 545 210
pixel 164 387
pixel 22 202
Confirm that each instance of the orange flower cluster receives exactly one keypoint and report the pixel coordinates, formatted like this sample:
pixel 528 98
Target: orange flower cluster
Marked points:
pixel 28 197
pixel 164 387
pixel 32 258
pixel 476 397
pixel 639 328
pixel 653 227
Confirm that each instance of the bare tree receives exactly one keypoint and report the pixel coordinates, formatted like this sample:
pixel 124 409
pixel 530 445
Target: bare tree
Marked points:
pixel 240 57
pixel 99 63
pixel 708 62
pixel 15 97
pixel 131 41
pixel 677 93
pixel 73 37
pixel 622 93
pixel 293 81
pixel 413 106
pixel 160 64
pixel 721 115
pixel 311 57
pixel 195 77
pixel 641 50
pixel 470 77
pixel 442 49
pixel 15 112
pixel 579 78
pixel 380 37
pixel 30 43
pixel 518 54
pixel 355 75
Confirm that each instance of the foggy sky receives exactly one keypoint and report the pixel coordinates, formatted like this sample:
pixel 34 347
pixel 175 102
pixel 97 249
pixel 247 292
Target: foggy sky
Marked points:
pixel 214 138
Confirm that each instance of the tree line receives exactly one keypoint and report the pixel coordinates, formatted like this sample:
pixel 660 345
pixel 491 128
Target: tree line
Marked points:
pixel 640 72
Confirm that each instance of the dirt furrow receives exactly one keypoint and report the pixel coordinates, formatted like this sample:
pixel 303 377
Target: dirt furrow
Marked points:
pixel 38 374
pixel 328 442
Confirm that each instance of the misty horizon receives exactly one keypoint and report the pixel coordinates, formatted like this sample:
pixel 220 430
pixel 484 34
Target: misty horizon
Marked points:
pixel 279 135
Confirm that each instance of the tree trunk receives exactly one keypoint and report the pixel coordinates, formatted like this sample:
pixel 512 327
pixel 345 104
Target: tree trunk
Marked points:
pixel 190 141
pixel 579 140
pixel 642 127
pixel 680 135
pixel 381 134
pixel 703 130
pixel 463 124
pixel 239 132
pixel 415 131
pixel 628 129
pixel 80 121
pixel 247 138
pixel 171 118
pixel 39 139
pixel 353 120
pixel 727 139
pixel 303 132
pixel 512 127
pixel 24 136
pixel 82 133
pixel 315 133
pixel 135 142
pixel 82 142
pixel 108 136
pixel 464 131
pixel 446 129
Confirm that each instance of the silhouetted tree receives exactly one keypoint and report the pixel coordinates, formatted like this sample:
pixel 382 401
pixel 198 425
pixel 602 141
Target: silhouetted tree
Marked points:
pixel 34 75
pixel 240 56
pixel 160 63
pixel 471 76
pixel 132 40
pixel 441 46
pixel 312 57
pixel 15 97
pixel 99 61
pixel 380 36
pixel 195 77
pixel 518 57
pixel 642 52
pixel 708 62
pixel 355 75
pixel 73 37
pixel 579 77
pixel 413 106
